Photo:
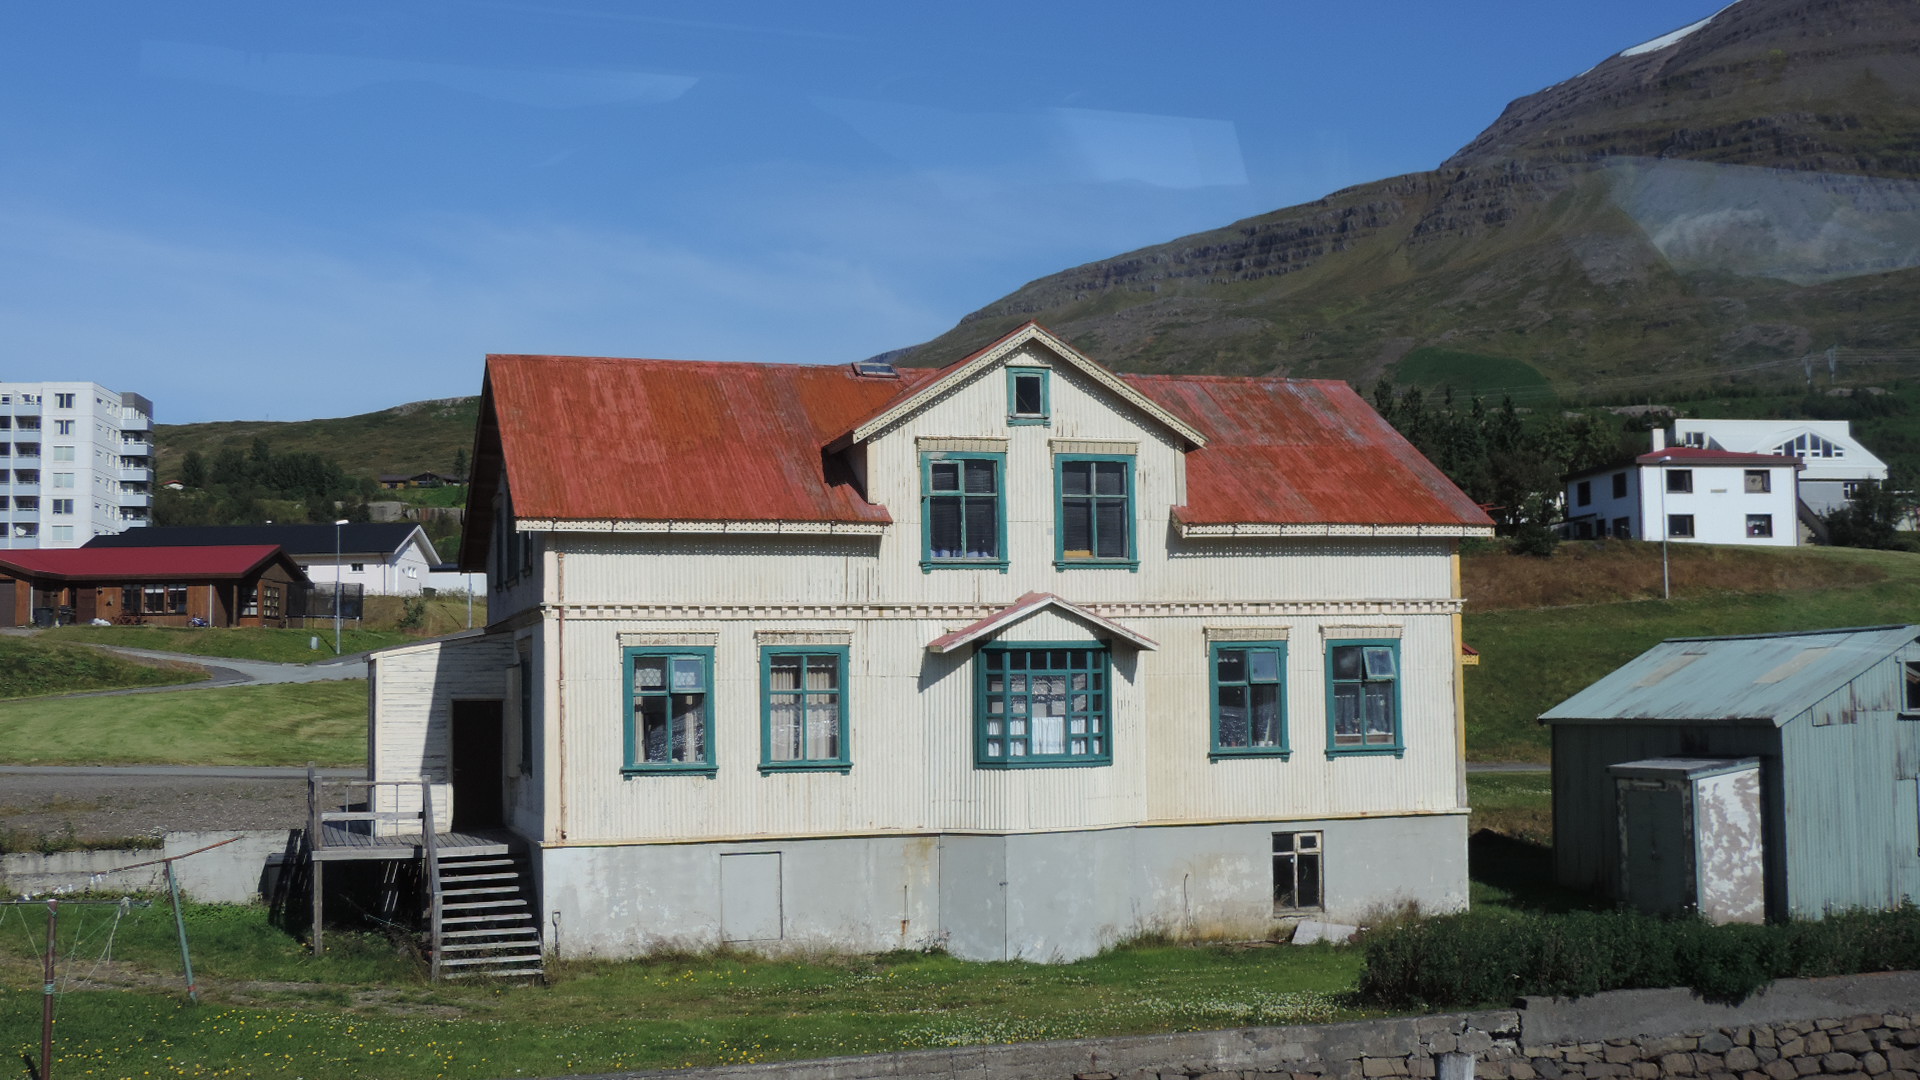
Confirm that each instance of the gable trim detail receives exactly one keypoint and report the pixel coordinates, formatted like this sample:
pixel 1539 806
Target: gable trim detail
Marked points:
pixel 1000 350
pixel 1028 605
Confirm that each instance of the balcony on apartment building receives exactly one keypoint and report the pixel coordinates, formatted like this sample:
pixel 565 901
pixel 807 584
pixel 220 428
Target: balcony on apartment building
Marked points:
pixel 125 498
pixel 136 448
pixel 24 483
pixel 21 404
pixel 26 453
pixel 135 474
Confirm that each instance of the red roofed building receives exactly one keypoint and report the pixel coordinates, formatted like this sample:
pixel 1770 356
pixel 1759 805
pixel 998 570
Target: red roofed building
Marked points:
pixel 1020 656
pixel 1690 494
pixel 245 585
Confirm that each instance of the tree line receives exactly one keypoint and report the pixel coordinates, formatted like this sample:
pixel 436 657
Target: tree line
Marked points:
pixel 247 487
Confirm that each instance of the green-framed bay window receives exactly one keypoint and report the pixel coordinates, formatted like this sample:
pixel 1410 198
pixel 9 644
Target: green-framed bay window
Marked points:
pixel 1250 699
pixel 1093 511
pixel 963 511
pixel 803 708
pixel 669 710
pixel 1029 390
pixel 1363 697
pixel 1040 704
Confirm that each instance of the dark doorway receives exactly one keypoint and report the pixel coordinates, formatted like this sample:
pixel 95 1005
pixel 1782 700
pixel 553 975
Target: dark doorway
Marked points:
pixel 477 763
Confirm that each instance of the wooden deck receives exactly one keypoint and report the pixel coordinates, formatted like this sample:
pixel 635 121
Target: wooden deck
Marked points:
pixel 337 842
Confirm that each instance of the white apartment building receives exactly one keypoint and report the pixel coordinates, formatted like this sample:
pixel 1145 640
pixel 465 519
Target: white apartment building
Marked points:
pixel 76 462
pixel 1688 494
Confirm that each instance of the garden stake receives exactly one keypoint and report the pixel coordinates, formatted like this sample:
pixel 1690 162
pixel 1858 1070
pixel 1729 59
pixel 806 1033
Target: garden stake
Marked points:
pixel 46 1002
pixel 173 886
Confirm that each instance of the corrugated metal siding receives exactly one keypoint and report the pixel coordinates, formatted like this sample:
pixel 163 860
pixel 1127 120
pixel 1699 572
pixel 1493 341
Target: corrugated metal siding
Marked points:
pixel 1586 828
pixel 1853 823
pixel 411 704
pixel 911 739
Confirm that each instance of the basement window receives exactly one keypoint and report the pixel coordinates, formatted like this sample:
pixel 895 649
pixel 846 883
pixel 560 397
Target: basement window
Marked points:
pixel 1680 526
pixel 1297 878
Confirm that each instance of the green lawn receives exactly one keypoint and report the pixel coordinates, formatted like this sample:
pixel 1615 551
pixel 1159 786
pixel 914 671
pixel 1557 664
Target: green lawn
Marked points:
pixel 239 643
pixel 1516 804
pixel 1531 660
pixel 365 1010
pixel 278 724
pixel 1468 373
pixel 33 668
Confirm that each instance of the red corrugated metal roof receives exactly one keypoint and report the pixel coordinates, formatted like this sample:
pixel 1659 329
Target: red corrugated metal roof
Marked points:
pixel 594 438
pixel 153 564
pixel 1695 455
pixel 1299 451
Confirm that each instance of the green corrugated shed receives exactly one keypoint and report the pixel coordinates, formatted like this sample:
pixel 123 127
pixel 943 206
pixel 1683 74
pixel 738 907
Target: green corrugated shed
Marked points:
pixel 1835 721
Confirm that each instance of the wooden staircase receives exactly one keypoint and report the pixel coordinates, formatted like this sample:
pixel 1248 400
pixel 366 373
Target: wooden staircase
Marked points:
pixel 482 916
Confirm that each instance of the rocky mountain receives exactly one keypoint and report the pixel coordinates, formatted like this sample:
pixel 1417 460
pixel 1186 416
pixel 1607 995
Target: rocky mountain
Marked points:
pixel 1744 190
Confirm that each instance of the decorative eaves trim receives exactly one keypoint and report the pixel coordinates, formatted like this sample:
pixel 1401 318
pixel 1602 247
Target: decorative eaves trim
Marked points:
pixel 810 528
pixel 1244 633
pixel 1325 529
pixel 1009 345
pixel 1023 607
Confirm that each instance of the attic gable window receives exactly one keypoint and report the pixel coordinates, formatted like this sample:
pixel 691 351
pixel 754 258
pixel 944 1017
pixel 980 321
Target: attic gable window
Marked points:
pixel 1810 445
pixel 1027 393
pixel 963 511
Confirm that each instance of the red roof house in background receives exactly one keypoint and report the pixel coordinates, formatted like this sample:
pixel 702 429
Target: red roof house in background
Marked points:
pixel 249 585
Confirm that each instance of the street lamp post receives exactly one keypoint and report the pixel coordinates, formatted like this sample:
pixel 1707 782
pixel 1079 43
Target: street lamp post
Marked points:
pixel 336 585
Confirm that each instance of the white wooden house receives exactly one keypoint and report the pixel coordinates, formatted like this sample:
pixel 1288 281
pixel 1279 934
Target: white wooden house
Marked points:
pixel 1018 656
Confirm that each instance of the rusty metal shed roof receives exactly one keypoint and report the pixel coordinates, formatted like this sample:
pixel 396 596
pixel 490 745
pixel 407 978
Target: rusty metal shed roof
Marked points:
pixel 1768 678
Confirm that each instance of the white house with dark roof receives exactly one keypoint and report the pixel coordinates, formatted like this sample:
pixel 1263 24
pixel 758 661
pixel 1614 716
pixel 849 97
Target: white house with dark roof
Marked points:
pixel 1019 656
pixel 1688 495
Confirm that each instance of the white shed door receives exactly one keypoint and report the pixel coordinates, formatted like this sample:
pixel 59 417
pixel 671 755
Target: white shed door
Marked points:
pixel 750 896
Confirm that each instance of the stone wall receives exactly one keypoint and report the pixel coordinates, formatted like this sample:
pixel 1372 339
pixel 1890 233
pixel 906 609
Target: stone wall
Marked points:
pixel 1858 1026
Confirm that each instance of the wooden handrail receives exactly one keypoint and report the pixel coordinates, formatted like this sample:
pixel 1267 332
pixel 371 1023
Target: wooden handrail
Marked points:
pixel 432 870
pixel 314 840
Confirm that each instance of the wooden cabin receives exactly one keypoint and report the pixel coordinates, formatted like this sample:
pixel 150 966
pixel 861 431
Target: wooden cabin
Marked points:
pixel 1017 657
pixel 236 585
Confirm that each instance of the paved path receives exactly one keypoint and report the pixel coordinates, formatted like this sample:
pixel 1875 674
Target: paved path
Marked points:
pixel 225 671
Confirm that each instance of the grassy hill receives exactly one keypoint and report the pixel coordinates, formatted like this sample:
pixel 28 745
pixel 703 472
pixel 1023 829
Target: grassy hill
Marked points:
pixel 1586 238
pixel 415 437
pixel 1534 656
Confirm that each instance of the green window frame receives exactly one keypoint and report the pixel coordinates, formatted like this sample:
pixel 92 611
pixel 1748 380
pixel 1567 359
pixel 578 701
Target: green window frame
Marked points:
pixel 1249 683
pixel 1364 702
pixel 669 720
pixel 1093 499
pixel 963 504
pixel 1043 704
pixel 1029 396
pixel 803 708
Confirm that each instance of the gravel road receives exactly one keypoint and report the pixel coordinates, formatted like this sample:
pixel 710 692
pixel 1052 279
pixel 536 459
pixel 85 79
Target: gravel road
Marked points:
pixel 111 804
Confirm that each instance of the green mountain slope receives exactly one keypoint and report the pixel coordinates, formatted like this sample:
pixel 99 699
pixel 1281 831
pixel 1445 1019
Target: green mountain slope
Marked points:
pixel 408 438
pixel 1745 194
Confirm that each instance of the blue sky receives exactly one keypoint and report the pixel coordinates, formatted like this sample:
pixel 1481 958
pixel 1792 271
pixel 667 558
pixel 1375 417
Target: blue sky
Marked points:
pixel 249 210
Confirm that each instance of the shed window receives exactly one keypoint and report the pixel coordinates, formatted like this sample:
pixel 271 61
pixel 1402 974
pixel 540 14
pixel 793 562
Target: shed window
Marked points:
pixel 1363 691
pixel 1680 481
pixel 805 708
pixel 1297 880
pixel 1095 512
pixel 1759 481
pixel 1042 705
pixel 669 709
pixel 1912 685
pixel 963 515
pixel 1680 526
pixel 1027 395
pixel 1249 699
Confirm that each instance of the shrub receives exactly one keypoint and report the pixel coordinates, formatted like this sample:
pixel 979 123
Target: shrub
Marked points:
pixel 1482 958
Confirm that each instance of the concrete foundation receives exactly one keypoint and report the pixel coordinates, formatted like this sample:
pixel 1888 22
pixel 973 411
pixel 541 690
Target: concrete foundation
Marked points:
pixel 232 873
pixel 1036 896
